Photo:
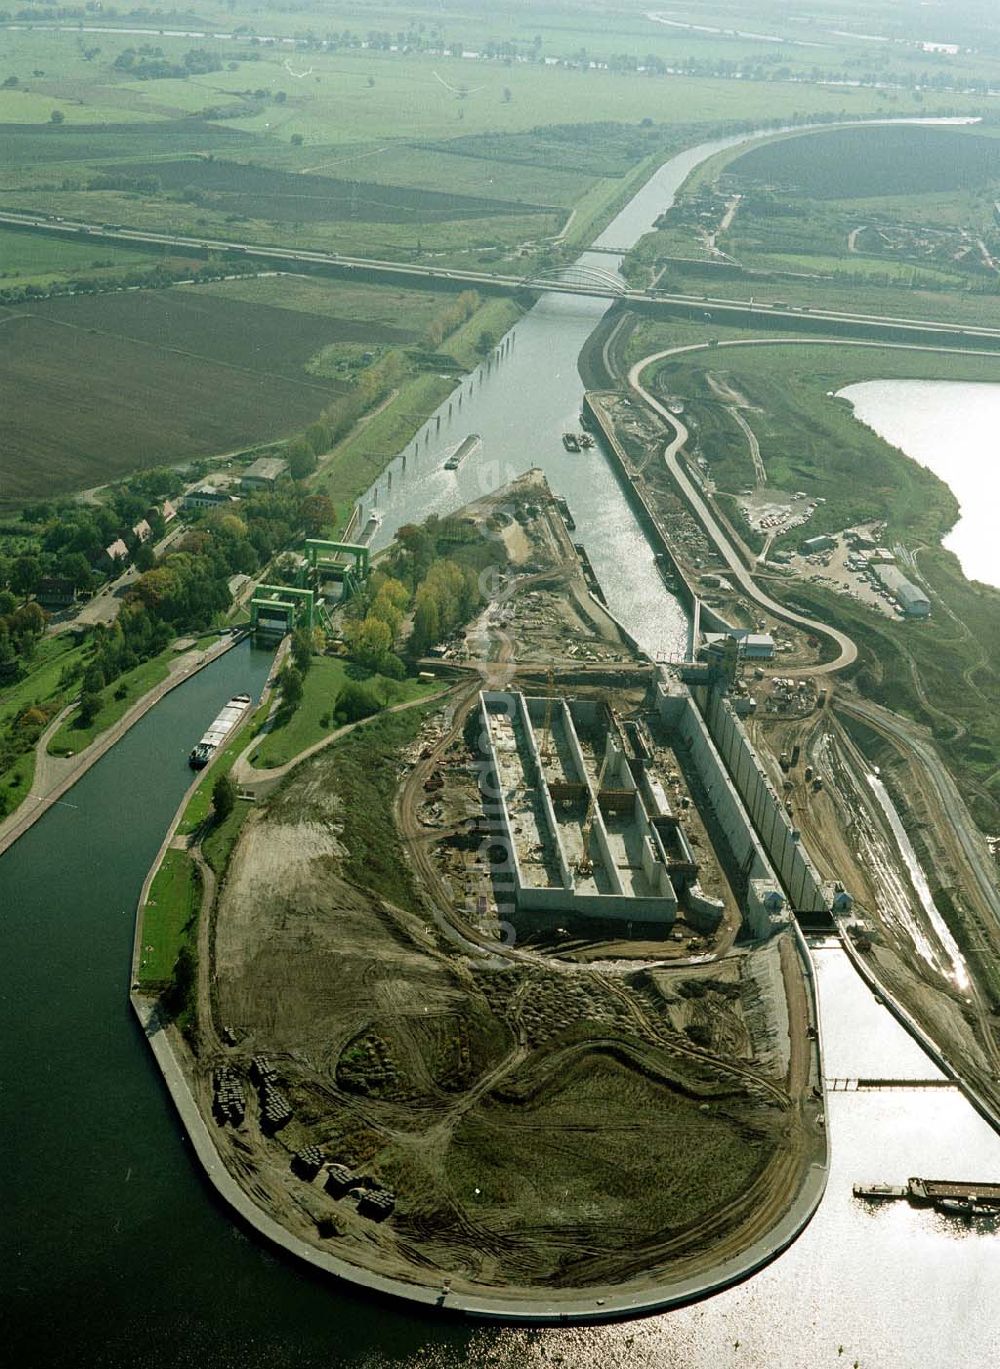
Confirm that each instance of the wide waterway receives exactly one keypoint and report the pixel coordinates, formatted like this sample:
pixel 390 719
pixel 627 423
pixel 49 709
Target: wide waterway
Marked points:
pixel 116 1252
pixel 951 427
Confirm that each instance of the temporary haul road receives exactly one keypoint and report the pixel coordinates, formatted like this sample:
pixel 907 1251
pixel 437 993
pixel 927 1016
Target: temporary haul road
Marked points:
pixel 847 651
pixel 590 282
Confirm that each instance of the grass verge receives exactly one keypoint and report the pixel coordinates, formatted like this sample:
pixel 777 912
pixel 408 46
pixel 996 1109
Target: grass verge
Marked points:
pixel 323 682
pixel 168 917
pixel 118 698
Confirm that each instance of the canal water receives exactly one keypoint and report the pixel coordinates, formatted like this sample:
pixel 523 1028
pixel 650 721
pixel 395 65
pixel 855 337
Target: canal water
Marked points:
pixel 115 1252
pixel 521 401
pixel 951 427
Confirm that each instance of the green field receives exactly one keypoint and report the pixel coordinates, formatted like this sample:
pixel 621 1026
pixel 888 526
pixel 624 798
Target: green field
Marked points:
pixel 288 736
pixel 168 917
pixel 27 259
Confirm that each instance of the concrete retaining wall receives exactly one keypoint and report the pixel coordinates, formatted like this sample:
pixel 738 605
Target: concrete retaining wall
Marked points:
pixel 797 872
pixel 681 714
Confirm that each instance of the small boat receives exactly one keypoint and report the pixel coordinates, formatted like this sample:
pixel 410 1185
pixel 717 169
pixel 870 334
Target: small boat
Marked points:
pixel 954 1207
pixel 571 442
pixel 586 440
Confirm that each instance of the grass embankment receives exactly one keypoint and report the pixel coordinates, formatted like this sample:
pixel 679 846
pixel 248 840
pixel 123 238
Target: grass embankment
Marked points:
pixel 375 441
pixel 72 736
pixel 310 722
pixel 363 768
pixel 170 915
pixel 169 918
pixel 41 694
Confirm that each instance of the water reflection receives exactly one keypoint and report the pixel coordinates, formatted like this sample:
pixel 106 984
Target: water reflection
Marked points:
pixel 951 427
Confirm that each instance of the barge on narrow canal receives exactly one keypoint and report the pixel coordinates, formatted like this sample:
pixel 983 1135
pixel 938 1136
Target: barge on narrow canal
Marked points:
pixel 227 721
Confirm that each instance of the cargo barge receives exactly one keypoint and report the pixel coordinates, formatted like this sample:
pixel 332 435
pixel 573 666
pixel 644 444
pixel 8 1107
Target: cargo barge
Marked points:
pixel 370 529
pixel 227 721
pixel 953 1198
pixel 465 448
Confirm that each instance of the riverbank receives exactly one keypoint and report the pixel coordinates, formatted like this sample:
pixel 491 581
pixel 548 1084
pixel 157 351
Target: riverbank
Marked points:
pixel 54 776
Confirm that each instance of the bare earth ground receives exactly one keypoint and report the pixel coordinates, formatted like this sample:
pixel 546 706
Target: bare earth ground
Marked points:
pixel 538 1128
pixel 543 1124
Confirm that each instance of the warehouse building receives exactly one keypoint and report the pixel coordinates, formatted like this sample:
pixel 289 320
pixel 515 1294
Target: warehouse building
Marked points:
pixel 812 545
pixel 266 473
pixel 913 601
pixel 753 646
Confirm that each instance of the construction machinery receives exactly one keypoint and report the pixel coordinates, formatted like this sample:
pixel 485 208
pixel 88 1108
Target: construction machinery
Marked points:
pixel 584 865
pixel 546 747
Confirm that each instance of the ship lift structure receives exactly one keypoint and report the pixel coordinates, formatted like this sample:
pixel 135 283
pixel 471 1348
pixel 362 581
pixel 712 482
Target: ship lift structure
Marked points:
pixel 276 610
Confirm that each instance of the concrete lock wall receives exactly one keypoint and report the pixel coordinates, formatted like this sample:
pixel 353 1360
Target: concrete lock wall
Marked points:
pixel 610 907
pixel 797 872
pixel 615 905
pixel 680 713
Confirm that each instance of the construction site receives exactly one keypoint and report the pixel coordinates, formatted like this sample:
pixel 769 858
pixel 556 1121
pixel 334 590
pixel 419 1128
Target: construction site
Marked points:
pixel 565 1047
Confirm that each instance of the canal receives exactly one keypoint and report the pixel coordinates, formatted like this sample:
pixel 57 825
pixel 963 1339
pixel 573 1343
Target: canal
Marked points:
pixel 116 1253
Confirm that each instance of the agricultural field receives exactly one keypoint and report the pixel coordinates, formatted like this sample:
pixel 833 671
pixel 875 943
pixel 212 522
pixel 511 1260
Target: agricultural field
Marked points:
pixel 845 163
pixel 116 382
pixel 895 239
pixel 321 141
pixel 95 404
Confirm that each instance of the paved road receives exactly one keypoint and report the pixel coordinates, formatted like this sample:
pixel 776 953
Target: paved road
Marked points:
pixel 847 650
pixel 590 284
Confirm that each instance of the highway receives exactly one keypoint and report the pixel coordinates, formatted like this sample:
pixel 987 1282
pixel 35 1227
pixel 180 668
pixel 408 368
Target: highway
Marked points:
pixel 589 282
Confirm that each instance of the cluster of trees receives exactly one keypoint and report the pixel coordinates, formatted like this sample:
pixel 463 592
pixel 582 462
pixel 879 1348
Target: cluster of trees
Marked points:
pixel 147 63
pixel 451 317
pixel 372 635
pixel 446 598
pixel 372 385
pixel 145 278
pixel 136 185
pixel 291 677
pixel 21 625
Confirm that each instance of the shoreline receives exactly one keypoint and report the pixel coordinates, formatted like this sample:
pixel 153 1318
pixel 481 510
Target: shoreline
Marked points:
pixel 15 826
pixel 877 404
pixel 584 1308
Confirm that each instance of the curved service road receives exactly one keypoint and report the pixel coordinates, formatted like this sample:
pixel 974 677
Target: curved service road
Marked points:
pixel 847 650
